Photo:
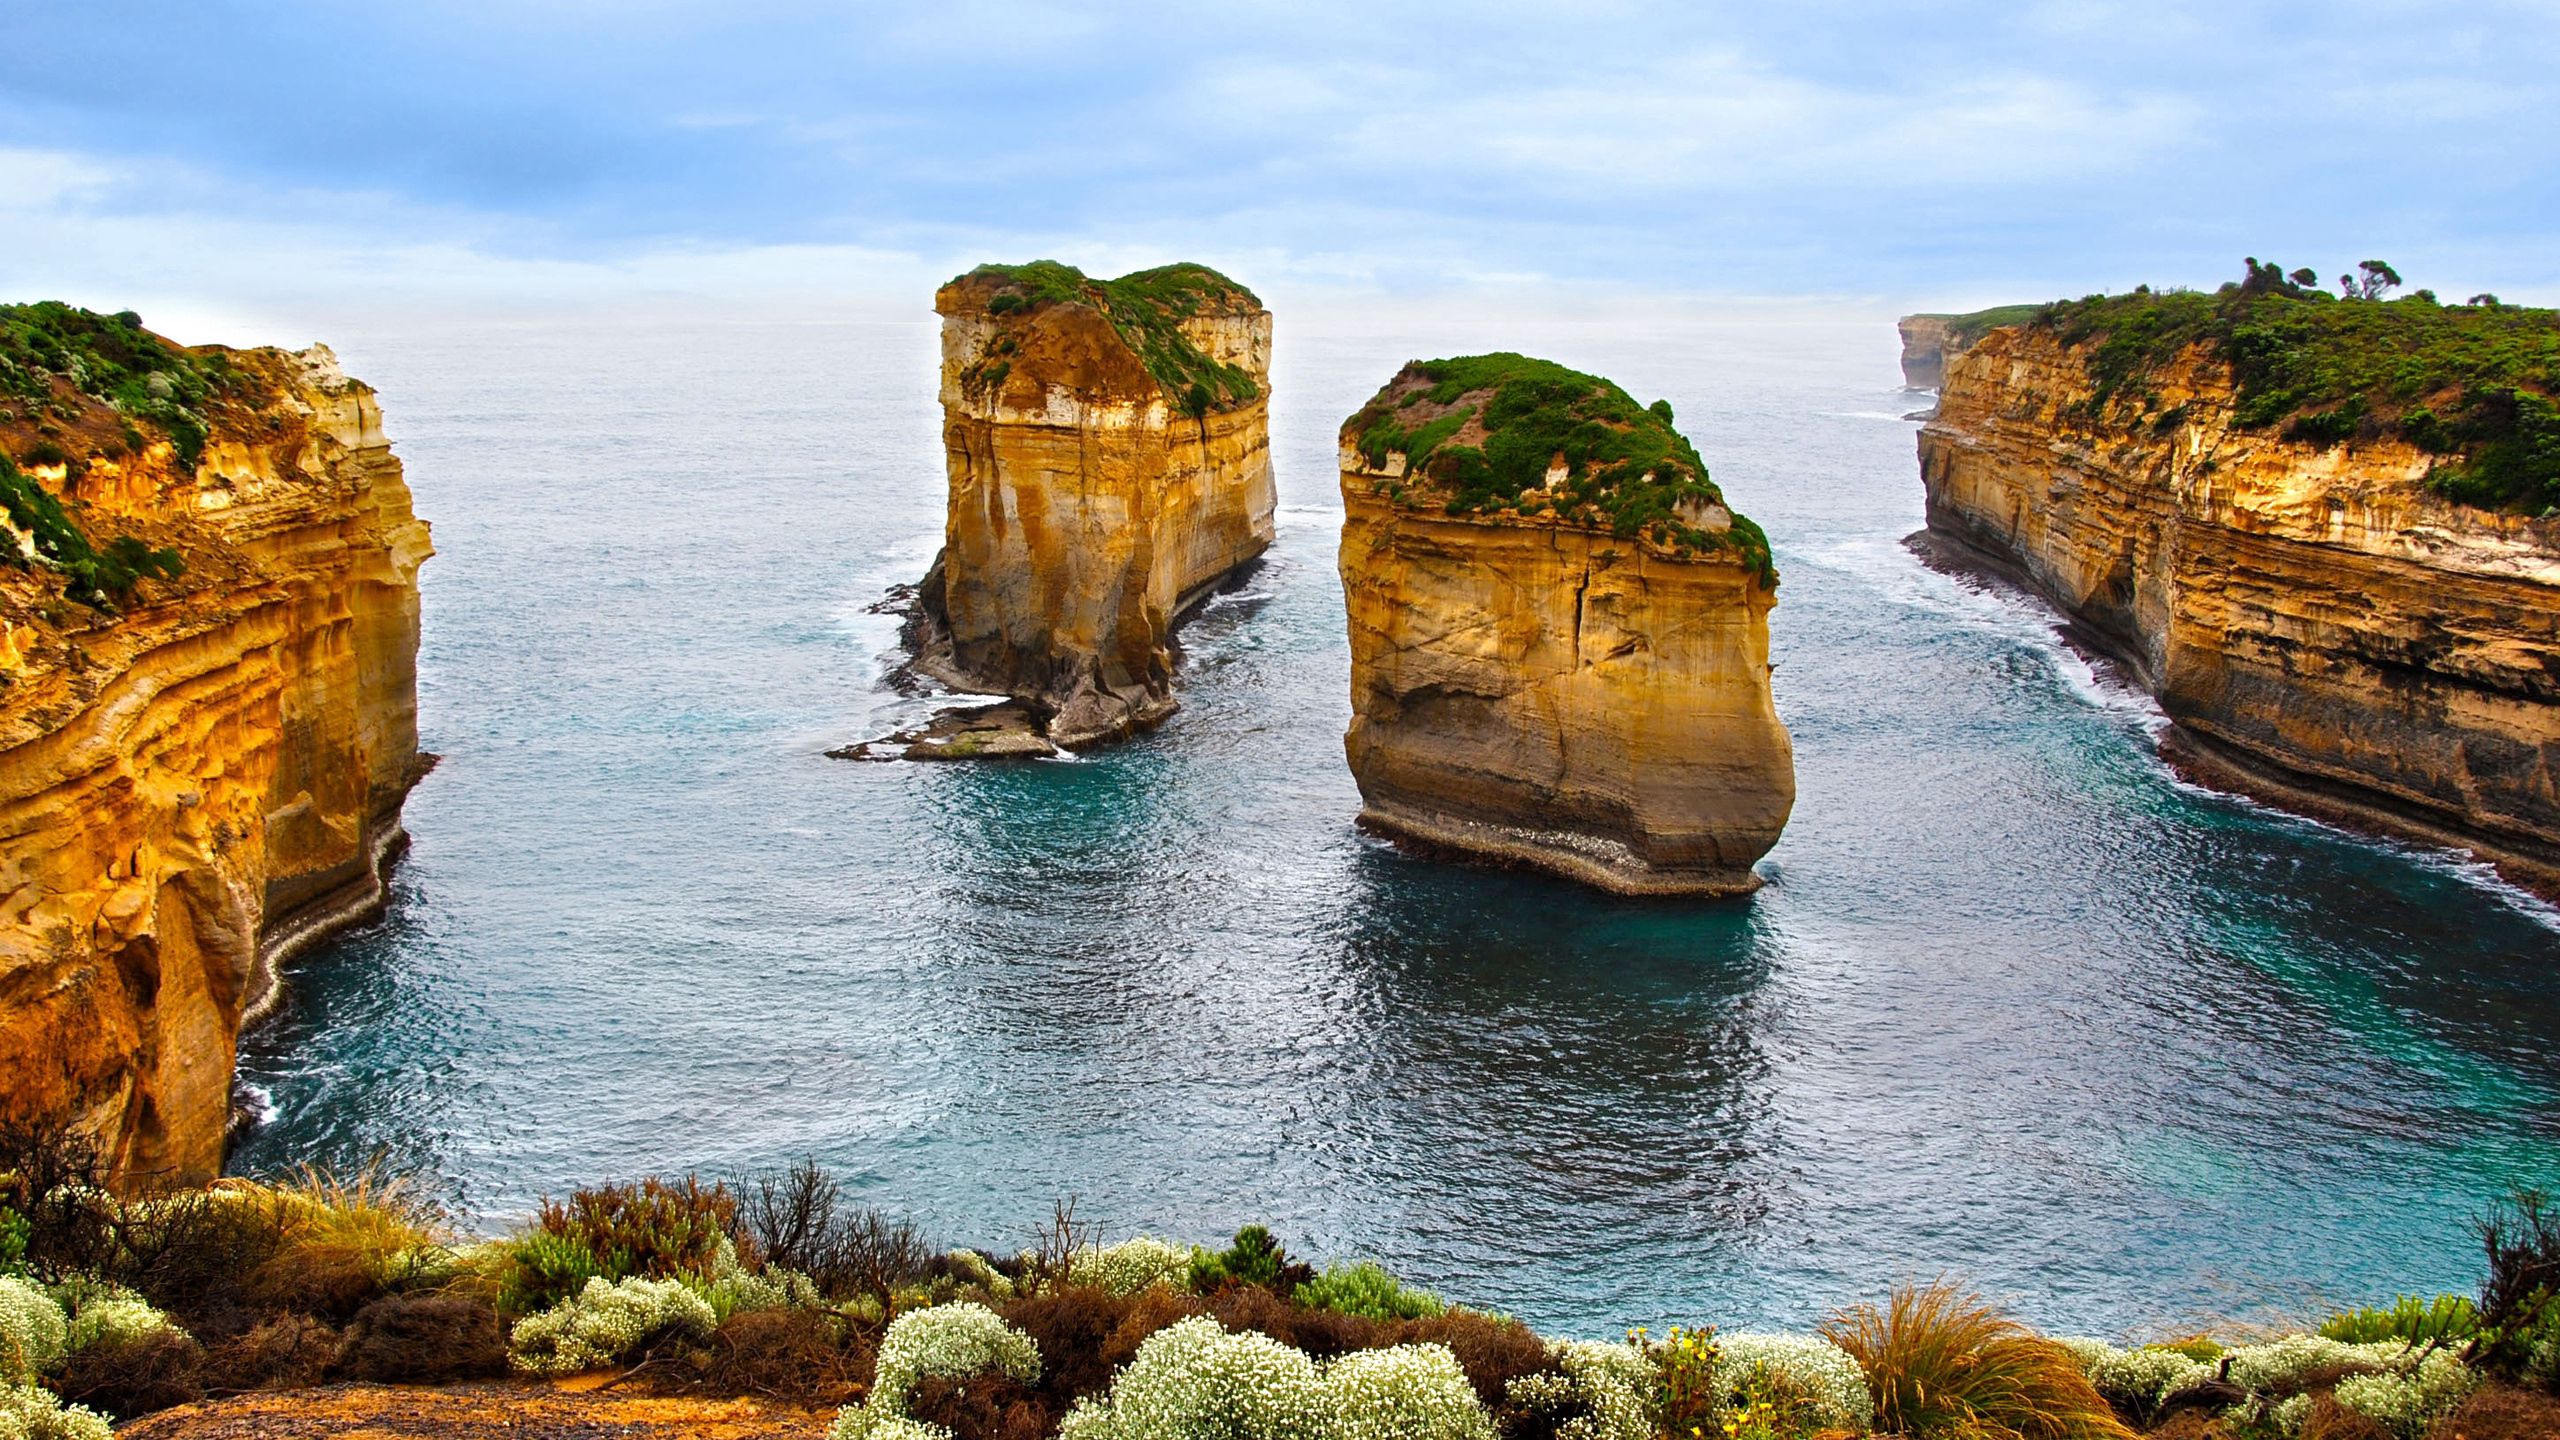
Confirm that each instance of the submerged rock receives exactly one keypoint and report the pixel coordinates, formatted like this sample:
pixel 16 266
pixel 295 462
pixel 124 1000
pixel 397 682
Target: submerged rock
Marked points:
pixel 1559 633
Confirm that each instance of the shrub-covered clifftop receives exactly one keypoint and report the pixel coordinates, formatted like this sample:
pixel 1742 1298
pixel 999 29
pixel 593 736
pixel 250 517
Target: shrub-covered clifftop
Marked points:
pixel 1489 434
pixel 1146 308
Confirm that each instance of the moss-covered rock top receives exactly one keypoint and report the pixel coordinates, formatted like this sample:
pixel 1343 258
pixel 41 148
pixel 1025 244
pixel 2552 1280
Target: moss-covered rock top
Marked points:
pixel 1484 434
pixel 2473 383
pixel 1146 309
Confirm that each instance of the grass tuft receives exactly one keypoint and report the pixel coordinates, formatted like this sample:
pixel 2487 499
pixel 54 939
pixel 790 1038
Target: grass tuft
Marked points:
pixel 1943 1361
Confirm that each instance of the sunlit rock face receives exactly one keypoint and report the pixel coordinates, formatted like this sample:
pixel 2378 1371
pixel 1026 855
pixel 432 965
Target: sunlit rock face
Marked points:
pixel 2324 629
pixel 1109 453
pixel 1529 685
pixel 208 776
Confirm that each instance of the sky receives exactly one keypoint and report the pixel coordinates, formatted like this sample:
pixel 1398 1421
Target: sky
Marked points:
pixel 520 154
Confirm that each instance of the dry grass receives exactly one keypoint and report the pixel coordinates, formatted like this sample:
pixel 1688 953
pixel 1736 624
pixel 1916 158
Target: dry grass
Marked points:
pixel 346 1238
pixel 1944 1362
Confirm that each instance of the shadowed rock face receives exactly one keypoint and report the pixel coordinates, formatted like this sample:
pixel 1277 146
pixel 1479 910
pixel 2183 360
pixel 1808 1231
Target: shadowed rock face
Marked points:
pixel 2324 630
pixel 1925 345
pixel 193 789
pixel 1531 688
pixel 1093 499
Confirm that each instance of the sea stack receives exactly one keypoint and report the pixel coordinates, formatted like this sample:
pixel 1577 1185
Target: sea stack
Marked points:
pixel 2321 531
pixel 1110 464
pixel 1559 633
pixel 208 712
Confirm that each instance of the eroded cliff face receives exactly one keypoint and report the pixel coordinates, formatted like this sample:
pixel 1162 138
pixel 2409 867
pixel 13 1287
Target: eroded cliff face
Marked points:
pixel 208 778
pixel 2324 630
pixel 1533 688
pixel 1093 500
pixel 1926 341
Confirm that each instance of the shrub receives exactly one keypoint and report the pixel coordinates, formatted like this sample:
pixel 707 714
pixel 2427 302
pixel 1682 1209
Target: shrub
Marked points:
pixel 1940 1360
pixel 101 1312
pixel 2519 1310
pixel 1083 1333
pixel 1686 1397
pixel 1130 1266
pixel 2448 1319
pixel 812 1357
pixel 797 1220
pixel 1544 1405
pixel 126 1378
pixel 1493 1350
pixel 289 1352
pixel 1616 1384
pixel 610 1322
pixel 540 1270
pixel 969 1268
pixel 1811 1383
pixel 425 1339
pixel 1405 1392
pixel 2134 1381
pixel 1368 1290
pixel 33 1333
pixel 36 1414
pixel 655 1229
pixel 953 1342
pixel 1254 1258
pixel 1195 1381
pixel 342 1241
pixel 2407 1402
pixel 2295 1363
pixel 741 1292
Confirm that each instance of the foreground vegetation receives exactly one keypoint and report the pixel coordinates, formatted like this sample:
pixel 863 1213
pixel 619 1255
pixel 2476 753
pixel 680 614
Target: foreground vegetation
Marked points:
pixel 1484 433
pixel 2477 384
pixel 775 1288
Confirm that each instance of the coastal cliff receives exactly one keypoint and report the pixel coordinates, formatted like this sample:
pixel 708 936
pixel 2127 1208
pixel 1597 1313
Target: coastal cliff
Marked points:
pixel 1930 341
pixel 208 632
pixel 1559 633
pixel 2309 526
pixel 1108 445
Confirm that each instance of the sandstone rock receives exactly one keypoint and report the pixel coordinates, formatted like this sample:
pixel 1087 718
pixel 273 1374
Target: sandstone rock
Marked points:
pixel 1536 687
pixel 2325 630
pixel 208 778
pixel 1109 454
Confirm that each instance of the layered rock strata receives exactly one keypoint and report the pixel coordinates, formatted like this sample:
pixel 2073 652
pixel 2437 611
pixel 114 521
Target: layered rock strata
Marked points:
pixel 1108 446
pixel 2323 627
pixel 1559 634
pixel 202 764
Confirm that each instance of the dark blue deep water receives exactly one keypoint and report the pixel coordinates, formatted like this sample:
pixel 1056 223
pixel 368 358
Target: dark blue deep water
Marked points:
pixel 2016 1004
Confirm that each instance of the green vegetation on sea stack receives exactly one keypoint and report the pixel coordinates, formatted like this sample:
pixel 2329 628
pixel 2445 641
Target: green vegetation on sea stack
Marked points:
pixel 1482 433
pixel 1147 308
pixel 2478 384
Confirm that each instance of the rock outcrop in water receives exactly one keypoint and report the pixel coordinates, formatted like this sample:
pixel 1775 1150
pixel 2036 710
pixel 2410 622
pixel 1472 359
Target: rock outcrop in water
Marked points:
pixel 2282 564
pixel 207 711
pixel 1110 465
pixel 1559 633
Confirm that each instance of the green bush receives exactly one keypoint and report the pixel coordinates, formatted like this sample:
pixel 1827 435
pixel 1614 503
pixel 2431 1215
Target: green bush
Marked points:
pixel 1130 1266
pixel 33 1331
pixel 541 1269
pixel 608 1323
pixel 1146 309
pixel 91 576
pixel 657 1228
pixel 2446 1319
pixel 1367 1290
pixel 1805 1383
pixel 100 1312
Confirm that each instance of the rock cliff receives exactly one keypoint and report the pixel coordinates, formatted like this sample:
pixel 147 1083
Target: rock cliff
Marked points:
pixel 2272 547
pixel 208 628
pixel 1930 341
pixel 1110 464
pixel 1559 633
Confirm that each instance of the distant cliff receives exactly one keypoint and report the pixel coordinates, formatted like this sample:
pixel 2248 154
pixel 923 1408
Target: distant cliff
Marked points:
pixel 2321 531
pixel 208 631
pixel 1110 463
pixel 1929 341
pixel 1559 633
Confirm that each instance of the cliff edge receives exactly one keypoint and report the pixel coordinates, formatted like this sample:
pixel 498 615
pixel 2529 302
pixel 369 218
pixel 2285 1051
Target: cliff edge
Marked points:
pixel 208 635
pixel 2321 531
pixel 1108 444
pixel 1559 633
pixel 1929 341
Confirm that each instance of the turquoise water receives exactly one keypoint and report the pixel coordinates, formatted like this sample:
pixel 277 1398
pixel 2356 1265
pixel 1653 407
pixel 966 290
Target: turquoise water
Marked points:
pixel 2016 1004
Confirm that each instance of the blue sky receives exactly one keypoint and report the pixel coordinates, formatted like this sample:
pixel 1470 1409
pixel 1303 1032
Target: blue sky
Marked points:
pixel 550 151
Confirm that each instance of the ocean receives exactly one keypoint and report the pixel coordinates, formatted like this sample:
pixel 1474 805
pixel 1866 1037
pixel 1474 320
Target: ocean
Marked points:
pixel 2017 1005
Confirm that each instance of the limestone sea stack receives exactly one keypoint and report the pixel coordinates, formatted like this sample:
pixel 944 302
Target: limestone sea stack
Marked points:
pixel 2321 532
pixel 1110 465
pixel 208 722
pixel 1559 633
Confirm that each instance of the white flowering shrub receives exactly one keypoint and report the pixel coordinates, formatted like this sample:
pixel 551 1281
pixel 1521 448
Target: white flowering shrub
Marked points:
pixel 973 1268
pixel 2407 1402
pixel 861 1422
pixel 2287 1415
pixel 1404 1392
pixel 951 1341
pixel 1826 1376
pixel 33 1333
pixel 609 1322
pixel 99 1312
pixel 2259 1368
pixel 1130 1266
pixel 1618 1383
pixel 2138 1379
pixel 2086 1351
pixel 30 1413
pixel 1194 1381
